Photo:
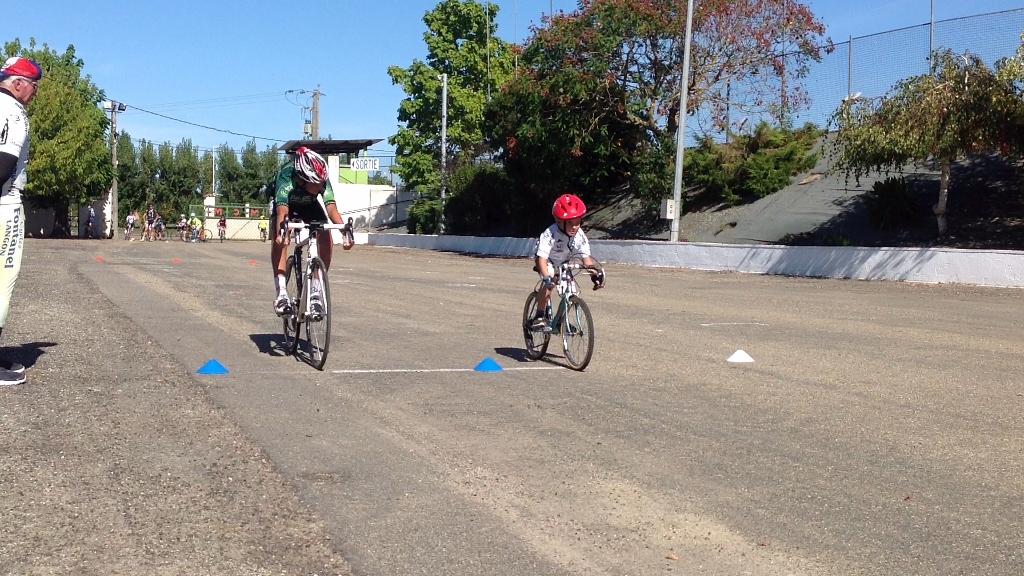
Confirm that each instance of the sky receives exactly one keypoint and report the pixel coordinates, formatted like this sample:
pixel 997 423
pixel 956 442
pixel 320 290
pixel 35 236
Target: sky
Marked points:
pixel 249 67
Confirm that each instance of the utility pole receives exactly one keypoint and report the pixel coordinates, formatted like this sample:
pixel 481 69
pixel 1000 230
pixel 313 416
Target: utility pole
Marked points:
pixel 114 107
pixel 444 142
pixel 316 113
pixel 684 88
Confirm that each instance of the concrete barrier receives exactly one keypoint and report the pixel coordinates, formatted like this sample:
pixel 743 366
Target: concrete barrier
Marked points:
pixel 1004 268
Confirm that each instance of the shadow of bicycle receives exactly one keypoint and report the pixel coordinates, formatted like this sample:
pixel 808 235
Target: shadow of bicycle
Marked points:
pixel 269 344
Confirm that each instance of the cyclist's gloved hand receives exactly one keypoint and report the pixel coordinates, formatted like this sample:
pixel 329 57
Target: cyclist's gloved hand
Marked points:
pixel 548 283
pixel 598 279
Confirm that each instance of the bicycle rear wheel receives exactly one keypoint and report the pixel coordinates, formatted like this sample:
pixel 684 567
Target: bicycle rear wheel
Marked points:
pixel 318 326
pixel 206 235
pixel 292 276
pixel 536 341
pixel 577 333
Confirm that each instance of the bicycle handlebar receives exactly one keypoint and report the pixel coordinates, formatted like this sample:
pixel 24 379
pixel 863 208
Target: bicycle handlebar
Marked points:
pixel 313 226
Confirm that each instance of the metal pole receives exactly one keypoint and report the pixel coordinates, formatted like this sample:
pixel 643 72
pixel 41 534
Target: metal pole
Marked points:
pixel 684 88
pixel 849 68
pixel 931 39
pixel 444 142
pixel 515 34
pixel 785 33
pixel 487 22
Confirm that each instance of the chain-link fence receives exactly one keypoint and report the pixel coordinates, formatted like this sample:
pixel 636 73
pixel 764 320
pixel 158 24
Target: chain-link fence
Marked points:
pixel 871 65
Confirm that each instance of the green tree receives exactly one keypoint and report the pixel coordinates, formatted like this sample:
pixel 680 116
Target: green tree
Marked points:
pixel 595 106
pixel 257 169
pixel 379 178
pixel 130 189
pixel 70 158
pixel 229 176
pixel 963 108
pixel 461 43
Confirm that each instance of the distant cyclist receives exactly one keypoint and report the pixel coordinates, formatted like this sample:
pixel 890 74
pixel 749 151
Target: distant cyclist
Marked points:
pixel 304 193
pixel 158 227
pixel 263 228
pixel 183 228
pixel 222 228
pixel 129 226
pixel 194 226
pixel 560 240
pixel 150 222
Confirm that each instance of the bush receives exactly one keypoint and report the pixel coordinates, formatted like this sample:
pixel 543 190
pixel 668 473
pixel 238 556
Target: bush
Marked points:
pixel 890 204
pixel 752 166
pixel 479 200
pixel 423 215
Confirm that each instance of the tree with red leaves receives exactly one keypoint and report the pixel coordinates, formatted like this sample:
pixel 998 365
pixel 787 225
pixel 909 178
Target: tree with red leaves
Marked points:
pixel 594 105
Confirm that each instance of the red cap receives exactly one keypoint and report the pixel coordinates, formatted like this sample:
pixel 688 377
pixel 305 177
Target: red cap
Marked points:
pixel 18 66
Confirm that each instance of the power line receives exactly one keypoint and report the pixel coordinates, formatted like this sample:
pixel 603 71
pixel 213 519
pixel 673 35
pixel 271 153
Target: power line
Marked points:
pixel 206 127
pixel 280 95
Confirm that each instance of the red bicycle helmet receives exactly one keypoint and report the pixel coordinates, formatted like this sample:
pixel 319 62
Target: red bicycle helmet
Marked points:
pixel 310 166
pixel 568 206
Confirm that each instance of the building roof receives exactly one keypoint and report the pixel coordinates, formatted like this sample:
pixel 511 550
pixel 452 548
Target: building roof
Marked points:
pixel 330 146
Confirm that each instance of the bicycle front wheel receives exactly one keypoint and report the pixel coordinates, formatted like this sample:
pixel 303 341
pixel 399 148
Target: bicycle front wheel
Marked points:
pixel 206 235
pixel 291 320
pixel 318 322
pixel 536 341
pixel 577 333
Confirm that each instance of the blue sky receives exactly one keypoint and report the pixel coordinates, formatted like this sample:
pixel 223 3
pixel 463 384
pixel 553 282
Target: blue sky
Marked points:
pixel 228 64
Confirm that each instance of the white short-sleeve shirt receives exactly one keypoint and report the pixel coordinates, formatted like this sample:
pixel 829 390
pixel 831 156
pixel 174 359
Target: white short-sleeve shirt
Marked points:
pixel 13 141
pixel 555 246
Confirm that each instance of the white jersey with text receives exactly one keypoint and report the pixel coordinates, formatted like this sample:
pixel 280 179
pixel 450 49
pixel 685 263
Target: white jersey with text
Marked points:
pixel 13 141
pixel 555 246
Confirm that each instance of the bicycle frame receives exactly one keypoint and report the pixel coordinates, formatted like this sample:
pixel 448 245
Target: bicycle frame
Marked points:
pixel 566 286
pixel 309 241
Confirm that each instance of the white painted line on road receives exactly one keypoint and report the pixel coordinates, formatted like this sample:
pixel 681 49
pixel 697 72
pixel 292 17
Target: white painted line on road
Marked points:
pixel 733 324
pixel 396 370
pixel 462 285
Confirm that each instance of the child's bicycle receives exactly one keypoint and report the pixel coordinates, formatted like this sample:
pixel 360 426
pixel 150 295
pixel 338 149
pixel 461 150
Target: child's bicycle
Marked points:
pixel 572 318
pixel 309 294
pixel 263 234
pixel 221 233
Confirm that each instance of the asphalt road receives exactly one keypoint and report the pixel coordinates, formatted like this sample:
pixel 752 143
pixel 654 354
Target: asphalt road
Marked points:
pixel 878 430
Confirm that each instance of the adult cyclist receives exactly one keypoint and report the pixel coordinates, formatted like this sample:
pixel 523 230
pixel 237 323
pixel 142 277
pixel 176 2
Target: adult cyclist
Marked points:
pixel 148 229
pixel 556 244
pixel 303 193
pixel 263 228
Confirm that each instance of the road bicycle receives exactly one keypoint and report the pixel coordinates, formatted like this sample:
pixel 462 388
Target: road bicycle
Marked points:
pixel 199 234
pixel 304 276
pixel 572 319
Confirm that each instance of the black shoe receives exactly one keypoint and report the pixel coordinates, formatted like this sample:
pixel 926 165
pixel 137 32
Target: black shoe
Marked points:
pixel 12 366
pixel 8 378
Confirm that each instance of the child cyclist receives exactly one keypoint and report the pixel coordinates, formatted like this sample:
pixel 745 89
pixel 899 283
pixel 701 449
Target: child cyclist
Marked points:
pixel 556 244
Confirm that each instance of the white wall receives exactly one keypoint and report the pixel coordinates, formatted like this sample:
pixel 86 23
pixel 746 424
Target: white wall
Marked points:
pixel 931 265
pixel 372 204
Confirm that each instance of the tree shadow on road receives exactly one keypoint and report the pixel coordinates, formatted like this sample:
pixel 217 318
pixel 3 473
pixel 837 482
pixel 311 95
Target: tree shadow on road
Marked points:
pixel 26 354
pixel 269 344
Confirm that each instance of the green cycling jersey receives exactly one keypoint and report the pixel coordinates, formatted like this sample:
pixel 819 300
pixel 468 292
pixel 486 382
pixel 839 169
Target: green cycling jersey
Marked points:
pixel 295 197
